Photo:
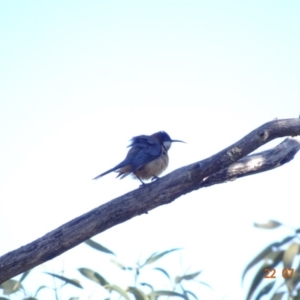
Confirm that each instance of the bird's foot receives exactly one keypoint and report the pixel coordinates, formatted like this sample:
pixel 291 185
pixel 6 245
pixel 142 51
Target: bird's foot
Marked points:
pixel 143 183
pixel 154 178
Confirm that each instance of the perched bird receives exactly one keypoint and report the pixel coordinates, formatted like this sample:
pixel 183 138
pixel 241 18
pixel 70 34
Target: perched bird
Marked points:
pixel 147 157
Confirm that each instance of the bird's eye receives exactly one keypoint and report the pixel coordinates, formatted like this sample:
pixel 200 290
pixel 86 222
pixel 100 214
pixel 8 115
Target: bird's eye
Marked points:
pixel 167 144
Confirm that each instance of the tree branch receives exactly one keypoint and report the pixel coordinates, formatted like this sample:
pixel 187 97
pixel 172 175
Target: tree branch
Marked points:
pixel 212 170
pixel 256 163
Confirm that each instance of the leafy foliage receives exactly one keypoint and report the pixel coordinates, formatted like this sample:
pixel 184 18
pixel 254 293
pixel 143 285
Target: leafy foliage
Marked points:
pixel 140 290
pixel 276 275
pixel 137 291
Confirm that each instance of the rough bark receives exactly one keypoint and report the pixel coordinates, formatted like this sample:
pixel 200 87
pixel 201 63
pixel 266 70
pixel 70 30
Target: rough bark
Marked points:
pixel 256 163
pixel 218 168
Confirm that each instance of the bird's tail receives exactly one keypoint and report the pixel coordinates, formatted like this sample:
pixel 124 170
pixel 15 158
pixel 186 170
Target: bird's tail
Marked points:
pixel 123 168
pixel 110 170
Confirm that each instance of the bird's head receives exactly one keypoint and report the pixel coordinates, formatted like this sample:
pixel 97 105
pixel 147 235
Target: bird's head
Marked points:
pixel 165 140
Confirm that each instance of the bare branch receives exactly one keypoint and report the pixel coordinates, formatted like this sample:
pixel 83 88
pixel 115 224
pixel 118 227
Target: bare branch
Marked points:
pixel 256 163
pixel 162 191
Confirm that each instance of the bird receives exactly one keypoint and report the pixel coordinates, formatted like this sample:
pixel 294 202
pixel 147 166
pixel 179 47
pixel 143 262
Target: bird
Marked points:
pixel 147 157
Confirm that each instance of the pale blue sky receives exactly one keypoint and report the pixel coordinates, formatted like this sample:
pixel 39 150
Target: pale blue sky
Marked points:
pixel 79 79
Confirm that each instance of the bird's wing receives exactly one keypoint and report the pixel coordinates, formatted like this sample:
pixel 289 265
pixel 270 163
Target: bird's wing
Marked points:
pixel 143 151
pixel 142 140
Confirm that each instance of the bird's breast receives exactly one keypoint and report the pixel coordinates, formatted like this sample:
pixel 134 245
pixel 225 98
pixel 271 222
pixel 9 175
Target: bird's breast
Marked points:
pixel 154 167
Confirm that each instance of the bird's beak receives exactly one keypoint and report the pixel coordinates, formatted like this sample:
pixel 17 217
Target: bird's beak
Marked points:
pixel 178 141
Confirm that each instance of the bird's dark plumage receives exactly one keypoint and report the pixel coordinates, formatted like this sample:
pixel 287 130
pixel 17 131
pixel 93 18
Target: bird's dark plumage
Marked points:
pixel 146 158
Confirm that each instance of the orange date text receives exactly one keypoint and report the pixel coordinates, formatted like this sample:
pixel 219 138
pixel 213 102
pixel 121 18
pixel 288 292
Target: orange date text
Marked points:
pixel 286 273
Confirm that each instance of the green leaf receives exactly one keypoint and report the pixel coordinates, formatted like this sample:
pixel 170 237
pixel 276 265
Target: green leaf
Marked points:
pixel 256 260
pixel 260 275
pixel 290 285
pixel 118 290
pixel 155 294
pixel 98 247
pixel 266 289
pixel 296 277
pixel 262 255
pixel 66 280
pixel 3 298
pixel 204 283
pixel 154 257
pixel 284 241
pixel 164 272
pixel 94 276
pixel 271 256
pixel 271 224
pixel 24 275
pixel 40 288
pixel 189 292
pixel 256 282
pixel 147 284
pixel 289 254
pixel 118 264
pixel 297 297
pixel 10 286
pixel 278 296
pixel 138 294
pixel 187 277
